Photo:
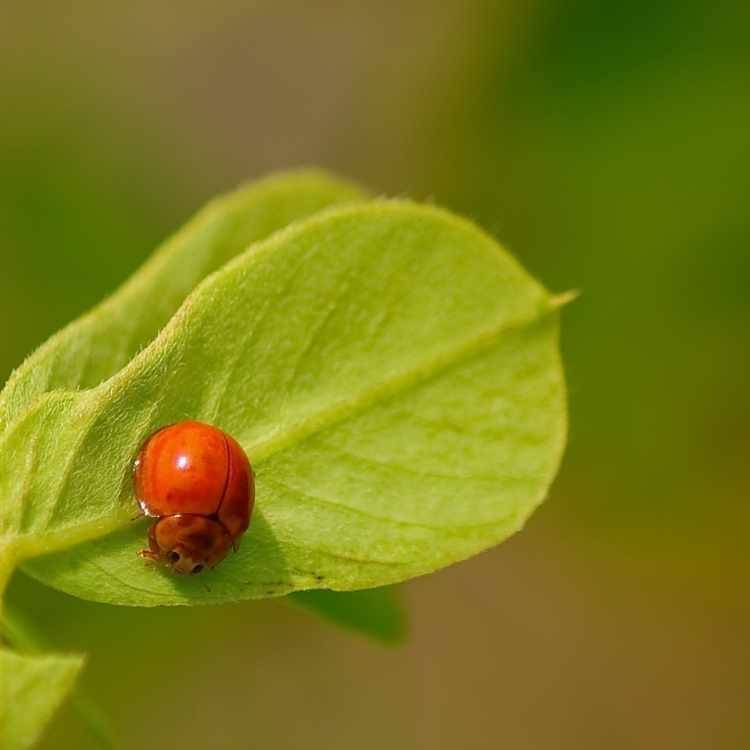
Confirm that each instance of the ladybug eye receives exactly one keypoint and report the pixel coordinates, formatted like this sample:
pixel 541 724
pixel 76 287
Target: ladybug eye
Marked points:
pixel 173 556
pixel 197 568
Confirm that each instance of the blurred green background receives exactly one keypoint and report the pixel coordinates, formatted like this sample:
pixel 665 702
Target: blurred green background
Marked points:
pixel 608 146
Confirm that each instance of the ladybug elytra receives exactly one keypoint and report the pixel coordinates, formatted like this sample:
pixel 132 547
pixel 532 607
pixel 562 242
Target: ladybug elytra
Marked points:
pixel 198 483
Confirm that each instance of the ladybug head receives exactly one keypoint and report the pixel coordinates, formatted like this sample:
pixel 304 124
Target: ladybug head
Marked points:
pixel 183 561
pixel 189 543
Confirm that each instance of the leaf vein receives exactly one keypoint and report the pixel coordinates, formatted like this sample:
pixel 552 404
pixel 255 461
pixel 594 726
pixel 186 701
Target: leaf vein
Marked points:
pixel 476 345
pixel 447 529
pixel 430 475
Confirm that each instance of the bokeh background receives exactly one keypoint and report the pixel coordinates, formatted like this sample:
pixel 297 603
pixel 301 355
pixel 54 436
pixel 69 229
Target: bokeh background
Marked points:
pixel 608 146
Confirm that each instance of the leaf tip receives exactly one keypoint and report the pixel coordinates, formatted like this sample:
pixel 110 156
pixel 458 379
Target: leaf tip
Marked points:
pixel 558 301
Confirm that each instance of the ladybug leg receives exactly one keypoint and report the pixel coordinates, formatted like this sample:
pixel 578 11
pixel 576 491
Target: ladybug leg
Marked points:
pixel 140 514
pixel 148 554
pixel 152 553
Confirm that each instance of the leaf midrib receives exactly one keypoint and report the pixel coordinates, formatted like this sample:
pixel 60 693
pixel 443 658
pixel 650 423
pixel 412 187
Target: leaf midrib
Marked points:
pixel 27 546
pixel 263 449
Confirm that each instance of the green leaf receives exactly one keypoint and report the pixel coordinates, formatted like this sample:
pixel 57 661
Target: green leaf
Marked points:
pixel 393 374
pixel 21 633
pixel 374 612
pixel 32 688
pixel 96 346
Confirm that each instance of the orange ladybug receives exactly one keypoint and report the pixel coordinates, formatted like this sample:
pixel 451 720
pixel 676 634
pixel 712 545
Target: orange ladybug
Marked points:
pixel 197 481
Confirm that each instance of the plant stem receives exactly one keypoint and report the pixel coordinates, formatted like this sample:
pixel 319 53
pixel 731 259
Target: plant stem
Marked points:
pixel 7 564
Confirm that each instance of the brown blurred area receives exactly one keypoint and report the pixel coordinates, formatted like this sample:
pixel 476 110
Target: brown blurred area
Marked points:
pixel 608 146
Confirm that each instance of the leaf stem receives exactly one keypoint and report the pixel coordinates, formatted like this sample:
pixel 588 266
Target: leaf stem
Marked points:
pixel 8 561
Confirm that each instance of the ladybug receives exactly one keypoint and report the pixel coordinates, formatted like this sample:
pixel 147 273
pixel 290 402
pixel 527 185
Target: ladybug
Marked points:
pixel 198 483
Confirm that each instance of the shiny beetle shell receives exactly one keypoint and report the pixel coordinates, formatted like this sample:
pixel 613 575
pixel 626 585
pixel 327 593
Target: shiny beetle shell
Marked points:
pixel 198 483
